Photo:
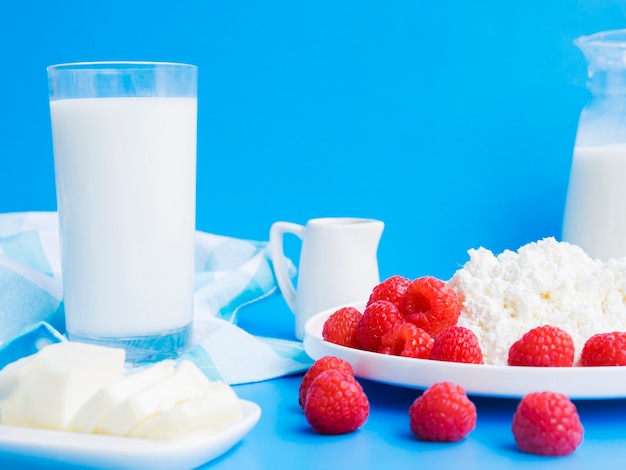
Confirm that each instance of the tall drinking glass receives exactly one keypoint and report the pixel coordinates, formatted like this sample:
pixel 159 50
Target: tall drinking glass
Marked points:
pixel 124 138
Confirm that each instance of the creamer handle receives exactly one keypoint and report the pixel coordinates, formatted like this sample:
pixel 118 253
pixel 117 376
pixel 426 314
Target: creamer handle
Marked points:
pixel 277 232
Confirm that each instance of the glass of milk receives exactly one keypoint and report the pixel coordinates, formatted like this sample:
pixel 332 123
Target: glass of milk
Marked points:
pixel 124 139
pixel 595 212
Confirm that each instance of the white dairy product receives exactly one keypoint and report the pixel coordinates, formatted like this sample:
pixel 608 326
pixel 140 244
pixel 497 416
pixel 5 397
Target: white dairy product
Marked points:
pixel 50 386
pixel 219 405
pixel 100 405
pixel 78 387
pixel 125 170
pixel 595 215
pixel 544 282
pixel 10 377
pixel 185 383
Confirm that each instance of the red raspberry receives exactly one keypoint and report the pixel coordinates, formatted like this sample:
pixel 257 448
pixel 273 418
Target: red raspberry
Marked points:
pixel 430 304
pixel 378 318
pixel 321 365
pixel 336 403
pixel 406 339
pixel 605 349
pixel 544 346
pixel 340 327
pixel 391 290
pixel 442 413
pixel 457 344
pixel 547 423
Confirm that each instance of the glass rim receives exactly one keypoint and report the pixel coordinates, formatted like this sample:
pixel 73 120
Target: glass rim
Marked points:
pixel 110 79
pixel 610 38
pixel 118 64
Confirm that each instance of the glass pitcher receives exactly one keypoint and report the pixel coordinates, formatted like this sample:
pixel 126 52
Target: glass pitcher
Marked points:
pixel 595 210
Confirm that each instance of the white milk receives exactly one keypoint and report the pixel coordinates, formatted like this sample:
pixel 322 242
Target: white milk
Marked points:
pixel 595 215
pixel 125 173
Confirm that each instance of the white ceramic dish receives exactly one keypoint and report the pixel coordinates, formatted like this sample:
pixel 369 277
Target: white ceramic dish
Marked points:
pixel 98 451
pixel 486 380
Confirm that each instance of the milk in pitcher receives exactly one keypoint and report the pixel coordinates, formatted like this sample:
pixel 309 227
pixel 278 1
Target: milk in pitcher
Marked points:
pixel 595 217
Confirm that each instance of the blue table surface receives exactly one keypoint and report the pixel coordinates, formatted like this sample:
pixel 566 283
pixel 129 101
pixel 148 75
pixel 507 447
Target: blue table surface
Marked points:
pixel 283 439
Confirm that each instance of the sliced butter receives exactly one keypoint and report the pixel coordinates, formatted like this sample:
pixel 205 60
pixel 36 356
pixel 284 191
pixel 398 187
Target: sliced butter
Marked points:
pixel 185 383
pixel 217 406
pixel 10 377
pixel 98 407
pixel 48 388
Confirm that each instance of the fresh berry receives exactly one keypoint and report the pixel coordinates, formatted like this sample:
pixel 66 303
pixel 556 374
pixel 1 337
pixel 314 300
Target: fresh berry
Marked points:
pixel 457 344
pixel 336 403
pixel 544 346
pixel 378 318
pixel 605 349
pixel 547 423
pixel 321 365
pixel 430 304
pixel 406 339
pixel 442 413
pixel 391 290
pixel 340 327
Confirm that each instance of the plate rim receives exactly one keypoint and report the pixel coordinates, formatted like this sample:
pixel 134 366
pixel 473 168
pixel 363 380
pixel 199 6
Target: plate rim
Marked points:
pixel 511 381
pixel 81 448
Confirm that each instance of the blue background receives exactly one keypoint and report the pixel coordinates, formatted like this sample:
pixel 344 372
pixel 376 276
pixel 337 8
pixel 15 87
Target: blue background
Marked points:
pixel 453 122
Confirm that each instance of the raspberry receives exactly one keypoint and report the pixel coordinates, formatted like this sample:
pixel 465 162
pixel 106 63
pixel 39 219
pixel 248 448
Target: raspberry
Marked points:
pixel 442 413
pixel 457 344
pixel 547 423
pixel 321 365
pixel 340 327
pixel 605 349
pixel 430 304
pixel 544 346
pixel 378 318
pixel 406 339
pixel 336 403
pixel 391 290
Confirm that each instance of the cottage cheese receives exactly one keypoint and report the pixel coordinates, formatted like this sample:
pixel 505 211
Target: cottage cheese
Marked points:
pixel 544 282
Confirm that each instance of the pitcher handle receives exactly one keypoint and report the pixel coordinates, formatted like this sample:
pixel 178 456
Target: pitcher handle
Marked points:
pixel 277 232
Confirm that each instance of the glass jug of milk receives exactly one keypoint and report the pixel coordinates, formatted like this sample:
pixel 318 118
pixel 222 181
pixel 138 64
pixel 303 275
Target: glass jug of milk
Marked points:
pixel 595 211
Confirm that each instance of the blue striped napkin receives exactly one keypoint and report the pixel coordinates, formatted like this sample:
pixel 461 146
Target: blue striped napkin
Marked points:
pixel 230 273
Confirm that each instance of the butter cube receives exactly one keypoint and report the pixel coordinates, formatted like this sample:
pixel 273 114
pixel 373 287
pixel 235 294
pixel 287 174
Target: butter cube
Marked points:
pixel 48 388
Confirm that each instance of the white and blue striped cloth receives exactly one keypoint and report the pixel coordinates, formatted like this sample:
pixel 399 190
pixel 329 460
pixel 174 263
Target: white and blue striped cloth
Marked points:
pixel 230 273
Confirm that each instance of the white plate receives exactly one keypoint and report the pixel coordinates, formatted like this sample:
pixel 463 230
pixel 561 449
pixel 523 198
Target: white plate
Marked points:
pixel 476 379
pixel 99 451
